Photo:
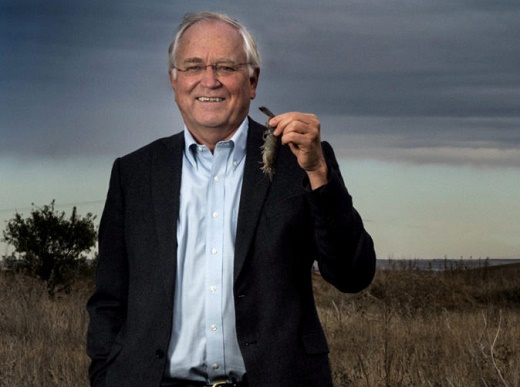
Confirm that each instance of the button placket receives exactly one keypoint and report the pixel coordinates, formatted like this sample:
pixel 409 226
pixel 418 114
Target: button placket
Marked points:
pixel 214 263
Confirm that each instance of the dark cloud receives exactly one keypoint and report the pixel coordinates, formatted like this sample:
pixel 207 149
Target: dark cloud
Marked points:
pixel 90 77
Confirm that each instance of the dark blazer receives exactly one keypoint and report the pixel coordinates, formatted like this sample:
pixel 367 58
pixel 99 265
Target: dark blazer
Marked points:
pixel 283 227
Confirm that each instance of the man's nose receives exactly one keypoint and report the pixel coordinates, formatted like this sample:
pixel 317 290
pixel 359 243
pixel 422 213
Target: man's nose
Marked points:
pixel 210 77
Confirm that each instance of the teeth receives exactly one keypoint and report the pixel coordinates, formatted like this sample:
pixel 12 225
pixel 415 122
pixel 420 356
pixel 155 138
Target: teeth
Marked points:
pixel 210 99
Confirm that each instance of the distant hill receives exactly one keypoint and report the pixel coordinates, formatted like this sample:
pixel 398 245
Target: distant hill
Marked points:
pixel 443 264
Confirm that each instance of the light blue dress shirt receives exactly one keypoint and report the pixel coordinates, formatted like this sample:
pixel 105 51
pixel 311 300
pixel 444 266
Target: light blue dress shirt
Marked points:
pixel 203 345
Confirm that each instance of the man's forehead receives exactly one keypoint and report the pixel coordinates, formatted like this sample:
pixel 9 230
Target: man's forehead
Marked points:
pixel 211 37
pixel 201 26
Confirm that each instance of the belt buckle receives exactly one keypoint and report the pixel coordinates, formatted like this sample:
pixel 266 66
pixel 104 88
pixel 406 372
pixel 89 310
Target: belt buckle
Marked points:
pixel 222 383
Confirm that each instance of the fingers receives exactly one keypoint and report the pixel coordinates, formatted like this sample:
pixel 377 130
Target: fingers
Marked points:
pixel 302 123
pixel 301 131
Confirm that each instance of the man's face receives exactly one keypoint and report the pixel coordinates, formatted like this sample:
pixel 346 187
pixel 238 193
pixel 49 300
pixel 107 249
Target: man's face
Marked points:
pixel 210 103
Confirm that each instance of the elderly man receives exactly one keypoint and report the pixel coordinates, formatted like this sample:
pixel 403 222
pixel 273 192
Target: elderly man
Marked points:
pixel 204 273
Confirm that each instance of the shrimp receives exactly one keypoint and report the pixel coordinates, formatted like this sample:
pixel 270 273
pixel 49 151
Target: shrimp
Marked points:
pixel 269 146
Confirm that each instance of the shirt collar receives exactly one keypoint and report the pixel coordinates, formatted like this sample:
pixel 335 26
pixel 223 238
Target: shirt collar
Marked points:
pixel 239 141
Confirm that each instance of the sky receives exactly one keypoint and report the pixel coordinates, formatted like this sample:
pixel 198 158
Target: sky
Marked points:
pixel 420 100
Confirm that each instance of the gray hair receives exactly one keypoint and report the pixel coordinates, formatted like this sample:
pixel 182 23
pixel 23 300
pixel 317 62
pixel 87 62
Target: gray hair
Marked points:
pixel 250 47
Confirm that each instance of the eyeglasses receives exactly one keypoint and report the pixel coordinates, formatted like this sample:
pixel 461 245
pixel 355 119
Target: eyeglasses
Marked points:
pixel 221 69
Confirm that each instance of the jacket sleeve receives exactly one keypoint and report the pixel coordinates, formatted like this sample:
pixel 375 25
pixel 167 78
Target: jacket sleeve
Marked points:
pixel 107 306
pixel 346 255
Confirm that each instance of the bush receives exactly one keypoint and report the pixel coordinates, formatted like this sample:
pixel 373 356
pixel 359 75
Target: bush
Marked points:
pixel 49 246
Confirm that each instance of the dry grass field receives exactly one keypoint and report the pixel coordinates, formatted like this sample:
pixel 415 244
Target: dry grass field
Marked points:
pixel 42 341
pixel 424 328
pixel 410 328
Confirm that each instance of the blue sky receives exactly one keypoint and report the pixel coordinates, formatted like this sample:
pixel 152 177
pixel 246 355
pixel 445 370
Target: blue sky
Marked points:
pixel 420 99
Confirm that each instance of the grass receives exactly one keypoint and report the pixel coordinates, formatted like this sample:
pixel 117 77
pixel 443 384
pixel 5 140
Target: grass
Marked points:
pixel 410 328
pixel 425 328
pixel 42 341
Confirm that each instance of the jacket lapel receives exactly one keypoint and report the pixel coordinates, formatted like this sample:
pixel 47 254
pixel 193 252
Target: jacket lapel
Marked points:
pixel 166 183
pixel 255 187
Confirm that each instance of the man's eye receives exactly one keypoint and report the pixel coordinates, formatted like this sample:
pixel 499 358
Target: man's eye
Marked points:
pixel 194 69
pixel 226 69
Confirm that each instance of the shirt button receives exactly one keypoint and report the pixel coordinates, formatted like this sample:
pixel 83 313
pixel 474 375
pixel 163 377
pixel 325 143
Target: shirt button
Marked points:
pixel 213 251
pixel 213 328
pixel 200 149
pixel 215 214
pixel 216 178
pixel 213 289
pixel 216 366
pixel 235 163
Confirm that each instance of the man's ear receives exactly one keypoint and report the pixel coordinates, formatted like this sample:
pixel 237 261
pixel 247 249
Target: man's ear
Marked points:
pixel 253 80
pixel 172 75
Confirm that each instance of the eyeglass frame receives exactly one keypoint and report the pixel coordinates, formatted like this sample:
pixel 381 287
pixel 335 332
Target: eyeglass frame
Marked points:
pixel 214 66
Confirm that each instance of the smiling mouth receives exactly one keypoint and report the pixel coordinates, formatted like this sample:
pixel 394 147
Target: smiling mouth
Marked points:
pixel 210 99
